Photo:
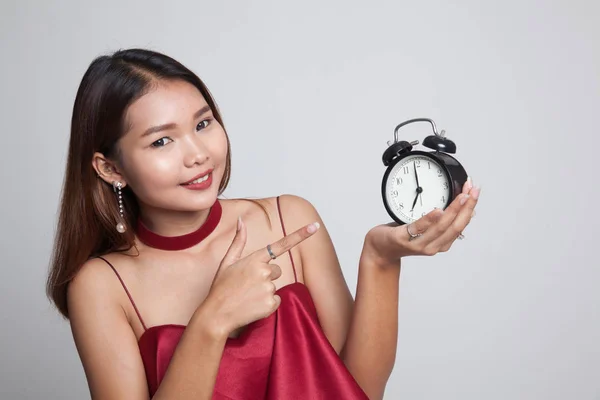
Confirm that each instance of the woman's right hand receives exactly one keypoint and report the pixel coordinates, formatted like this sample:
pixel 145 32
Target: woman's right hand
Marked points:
pixel 243 290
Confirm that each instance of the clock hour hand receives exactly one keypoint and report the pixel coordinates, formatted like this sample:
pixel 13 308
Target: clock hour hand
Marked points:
pixel 415 202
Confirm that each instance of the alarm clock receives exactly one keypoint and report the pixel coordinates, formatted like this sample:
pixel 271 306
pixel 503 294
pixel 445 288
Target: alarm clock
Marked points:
pixel 416 182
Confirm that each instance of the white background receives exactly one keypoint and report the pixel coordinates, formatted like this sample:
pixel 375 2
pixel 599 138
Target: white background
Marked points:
pixel 311 92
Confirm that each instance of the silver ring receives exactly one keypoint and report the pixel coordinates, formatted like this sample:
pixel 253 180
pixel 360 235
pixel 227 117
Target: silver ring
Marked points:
pixel 412 235
pixel 271 252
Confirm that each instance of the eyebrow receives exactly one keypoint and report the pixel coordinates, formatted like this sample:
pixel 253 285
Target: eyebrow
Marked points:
pixel 172 125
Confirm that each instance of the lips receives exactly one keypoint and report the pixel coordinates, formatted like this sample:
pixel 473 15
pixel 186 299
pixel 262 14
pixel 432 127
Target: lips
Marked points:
pixel 198 176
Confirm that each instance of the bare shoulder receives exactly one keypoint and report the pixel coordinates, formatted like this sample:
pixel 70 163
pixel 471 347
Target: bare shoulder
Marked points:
pixel 264 214
pixel 297 211
pixel 94 285
pixel 105 341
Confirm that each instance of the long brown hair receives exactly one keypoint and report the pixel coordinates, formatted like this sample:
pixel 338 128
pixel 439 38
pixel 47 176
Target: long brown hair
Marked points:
pixel 88 210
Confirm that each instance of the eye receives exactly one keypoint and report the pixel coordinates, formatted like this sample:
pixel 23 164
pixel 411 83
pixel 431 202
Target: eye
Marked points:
pixel 161 142
pixel 203 124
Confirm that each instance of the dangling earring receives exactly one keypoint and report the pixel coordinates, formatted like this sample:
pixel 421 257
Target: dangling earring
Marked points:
pixel 117 186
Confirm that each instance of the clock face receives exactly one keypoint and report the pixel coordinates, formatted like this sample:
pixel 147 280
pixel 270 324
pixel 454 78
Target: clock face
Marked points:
pixel 416 185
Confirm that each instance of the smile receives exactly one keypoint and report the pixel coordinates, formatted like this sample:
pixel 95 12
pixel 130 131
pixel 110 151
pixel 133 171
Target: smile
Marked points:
pixel 199 180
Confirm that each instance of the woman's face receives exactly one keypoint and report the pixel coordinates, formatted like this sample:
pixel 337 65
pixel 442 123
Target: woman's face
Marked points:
pixel 172 139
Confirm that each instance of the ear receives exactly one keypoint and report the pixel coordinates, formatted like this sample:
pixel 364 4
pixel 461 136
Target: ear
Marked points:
pixel 107 170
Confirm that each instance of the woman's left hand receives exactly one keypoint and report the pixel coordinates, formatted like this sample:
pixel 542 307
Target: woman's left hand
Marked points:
pixel 436 231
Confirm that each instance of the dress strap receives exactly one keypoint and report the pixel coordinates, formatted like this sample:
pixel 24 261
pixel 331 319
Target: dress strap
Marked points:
pixel 126 291
pixel 284 234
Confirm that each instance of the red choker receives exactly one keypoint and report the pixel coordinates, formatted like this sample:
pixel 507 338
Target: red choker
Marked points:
pixel 188 240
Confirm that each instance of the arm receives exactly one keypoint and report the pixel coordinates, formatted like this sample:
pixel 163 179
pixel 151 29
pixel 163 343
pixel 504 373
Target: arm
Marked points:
pixel 365 333
pixel 109 350
pixel 370 351
pixel 371 346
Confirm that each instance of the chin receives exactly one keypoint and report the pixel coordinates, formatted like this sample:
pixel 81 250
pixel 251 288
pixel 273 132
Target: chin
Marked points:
pixel 189 207
pixel 195 200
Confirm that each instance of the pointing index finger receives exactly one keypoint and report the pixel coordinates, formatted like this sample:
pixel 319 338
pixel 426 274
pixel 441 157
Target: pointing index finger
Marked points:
pixel 288 242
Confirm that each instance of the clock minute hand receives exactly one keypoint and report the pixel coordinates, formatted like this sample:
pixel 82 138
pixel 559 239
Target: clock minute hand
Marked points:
pixel 416 176
pixel 419 189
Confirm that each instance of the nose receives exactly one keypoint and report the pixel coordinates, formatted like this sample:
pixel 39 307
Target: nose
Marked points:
pixel 195 152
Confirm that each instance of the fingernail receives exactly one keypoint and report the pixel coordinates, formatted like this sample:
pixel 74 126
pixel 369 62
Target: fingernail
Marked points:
pixel 473 214
pixel 469 183
pixel 312 228
pixel 464 199
pixel 475 192
pixel 239 224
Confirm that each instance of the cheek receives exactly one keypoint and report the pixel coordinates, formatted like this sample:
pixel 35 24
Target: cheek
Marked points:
pixel 149 173
pixel 218 147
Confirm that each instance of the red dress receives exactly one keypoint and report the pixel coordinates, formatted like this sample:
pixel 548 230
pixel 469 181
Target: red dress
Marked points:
pixel 283 356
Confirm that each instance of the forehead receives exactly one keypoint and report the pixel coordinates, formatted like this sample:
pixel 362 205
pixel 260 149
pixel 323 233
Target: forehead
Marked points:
pixel 166 102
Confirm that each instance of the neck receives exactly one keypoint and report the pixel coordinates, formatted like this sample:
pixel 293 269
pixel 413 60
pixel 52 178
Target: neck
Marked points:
pixel 178 231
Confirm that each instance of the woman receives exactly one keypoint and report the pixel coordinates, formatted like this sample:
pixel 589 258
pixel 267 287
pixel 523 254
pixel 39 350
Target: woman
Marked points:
pixel 173 293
